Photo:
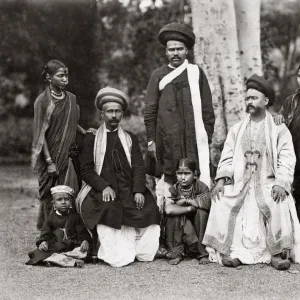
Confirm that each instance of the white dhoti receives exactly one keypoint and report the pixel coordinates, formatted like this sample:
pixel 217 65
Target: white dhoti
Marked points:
pixel 120 247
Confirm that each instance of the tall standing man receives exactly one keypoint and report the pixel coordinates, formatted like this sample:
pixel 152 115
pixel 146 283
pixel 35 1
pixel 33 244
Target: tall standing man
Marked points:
pixel 179 115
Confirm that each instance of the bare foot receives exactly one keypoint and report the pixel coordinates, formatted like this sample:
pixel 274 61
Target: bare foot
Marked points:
pixel 229 262
pixel 204 261
pixel 175 261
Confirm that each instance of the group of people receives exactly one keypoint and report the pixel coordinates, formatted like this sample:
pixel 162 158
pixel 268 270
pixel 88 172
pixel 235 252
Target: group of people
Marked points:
pixel 96 203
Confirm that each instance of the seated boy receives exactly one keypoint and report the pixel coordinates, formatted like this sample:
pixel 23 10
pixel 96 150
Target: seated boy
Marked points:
pixel 62 231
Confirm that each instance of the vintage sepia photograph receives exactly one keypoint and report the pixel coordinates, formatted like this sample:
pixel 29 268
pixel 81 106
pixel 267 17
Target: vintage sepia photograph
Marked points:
pixel 149 149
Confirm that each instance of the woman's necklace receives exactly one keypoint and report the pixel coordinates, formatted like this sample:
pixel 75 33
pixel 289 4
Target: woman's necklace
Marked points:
pixel 58 96
pixel 186 190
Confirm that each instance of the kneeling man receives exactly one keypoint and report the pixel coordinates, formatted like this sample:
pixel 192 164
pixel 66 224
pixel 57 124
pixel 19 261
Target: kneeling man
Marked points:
pixel 253 217
pixel 114 199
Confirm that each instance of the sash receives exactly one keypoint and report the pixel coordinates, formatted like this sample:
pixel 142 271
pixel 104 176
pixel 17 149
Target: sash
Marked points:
pixel 99 154
pixel 201 135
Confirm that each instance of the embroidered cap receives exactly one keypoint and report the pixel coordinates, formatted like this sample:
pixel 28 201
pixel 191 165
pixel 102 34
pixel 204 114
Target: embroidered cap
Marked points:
pixel 260 84
pixel 62 189
pixel 109 94
pixel 177 32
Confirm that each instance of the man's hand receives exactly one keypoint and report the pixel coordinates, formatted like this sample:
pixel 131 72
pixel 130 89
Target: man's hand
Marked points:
pixel 52 169
pixel 140 200
pixel 219 188
pixel 108 194
pixel 43 246
pixel 152 150
pixel 278 193
pixel 279 119
pixel 84 247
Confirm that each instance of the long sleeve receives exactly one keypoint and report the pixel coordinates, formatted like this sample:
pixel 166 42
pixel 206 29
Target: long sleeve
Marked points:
pixel 225 168
pixel 286 160
pixel 88 173
pixel 208 114
pixel 46 232
pixel 138 167
pixel 151 106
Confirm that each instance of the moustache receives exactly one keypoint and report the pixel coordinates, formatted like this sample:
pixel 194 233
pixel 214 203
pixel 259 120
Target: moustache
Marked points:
pixel 175 57
pixel 250 106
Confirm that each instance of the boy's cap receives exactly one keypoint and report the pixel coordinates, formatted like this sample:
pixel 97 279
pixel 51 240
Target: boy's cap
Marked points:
pixel 62 189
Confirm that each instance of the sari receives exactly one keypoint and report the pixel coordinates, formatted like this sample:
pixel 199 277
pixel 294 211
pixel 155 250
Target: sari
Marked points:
pixel 56 122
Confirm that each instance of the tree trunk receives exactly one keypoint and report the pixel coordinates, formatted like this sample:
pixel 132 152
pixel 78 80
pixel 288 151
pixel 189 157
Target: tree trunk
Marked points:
pixel 216 51
pixel 248 30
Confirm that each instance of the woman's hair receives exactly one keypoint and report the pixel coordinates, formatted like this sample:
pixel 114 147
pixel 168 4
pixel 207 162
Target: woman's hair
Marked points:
pixel 51 67
pixel 186 162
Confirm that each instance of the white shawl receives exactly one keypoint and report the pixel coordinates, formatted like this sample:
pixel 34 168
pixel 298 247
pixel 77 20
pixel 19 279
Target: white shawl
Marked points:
pixel 201 135
pixel 99 154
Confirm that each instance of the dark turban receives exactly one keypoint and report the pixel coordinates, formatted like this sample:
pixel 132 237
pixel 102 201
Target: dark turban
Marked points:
pixel 177 32
pixel 109 94
pixel 262 85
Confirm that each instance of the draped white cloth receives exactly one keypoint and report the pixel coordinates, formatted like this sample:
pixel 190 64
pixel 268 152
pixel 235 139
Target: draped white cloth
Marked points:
pixel 99 154
pixel 247 223
pixel 120 247
pixel 201 135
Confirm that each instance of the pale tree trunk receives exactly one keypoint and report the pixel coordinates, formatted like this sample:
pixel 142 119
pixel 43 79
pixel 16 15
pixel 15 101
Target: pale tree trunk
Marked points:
pixel 248 30
pixel 216 51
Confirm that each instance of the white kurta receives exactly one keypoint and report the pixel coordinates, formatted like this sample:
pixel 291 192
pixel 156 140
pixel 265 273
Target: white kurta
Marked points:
pixel 246 223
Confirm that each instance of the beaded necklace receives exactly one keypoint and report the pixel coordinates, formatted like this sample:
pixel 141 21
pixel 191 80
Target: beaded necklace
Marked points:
pixel 58 96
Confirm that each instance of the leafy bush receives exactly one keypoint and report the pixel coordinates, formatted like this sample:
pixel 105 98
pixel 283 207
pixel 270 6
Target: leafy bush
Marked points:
pixel 15 136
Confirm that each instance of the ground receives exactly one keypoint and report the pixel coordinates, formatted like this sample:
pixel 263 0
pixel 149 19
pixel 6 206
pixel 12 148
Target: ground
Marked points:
pixel 156 280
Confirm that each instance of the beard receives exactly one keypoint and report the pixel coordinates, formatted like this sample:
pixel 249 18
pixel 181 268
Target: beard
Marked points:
pixel 255 110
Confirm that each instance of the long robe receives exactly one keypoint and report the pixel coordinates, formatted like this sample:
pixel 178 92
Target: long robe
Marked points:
pixel 123 179
pixel 169 118
pixel 247 223
pixel 62 232
pixel 291 112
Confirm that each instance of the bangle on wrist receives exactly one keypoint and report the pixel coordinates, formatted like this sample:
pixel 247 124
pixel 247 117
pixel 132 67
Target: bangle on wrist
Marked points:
pixel 49 161
pixel 189 208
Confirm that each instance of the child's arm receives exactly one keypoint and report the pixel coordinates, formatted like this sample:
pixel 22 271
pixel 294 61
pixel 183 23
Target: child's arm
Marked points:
pixel 173 209
pixel 45 236
pixel 203 197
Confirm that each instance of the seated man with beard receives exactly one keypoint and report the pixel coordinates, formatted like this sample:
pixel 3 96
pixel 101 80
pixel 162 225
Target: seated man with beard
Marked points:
pixel 253 218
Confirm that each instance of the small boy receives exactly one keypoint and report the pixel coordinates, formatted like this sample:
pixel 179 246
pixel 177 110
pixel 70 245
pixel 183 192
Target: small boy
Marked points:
pixel 62 231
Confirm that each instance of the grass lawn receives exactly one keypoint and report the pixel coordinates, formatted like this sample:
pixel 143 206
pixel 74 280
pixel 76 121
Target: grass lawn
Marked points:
pixel 156 280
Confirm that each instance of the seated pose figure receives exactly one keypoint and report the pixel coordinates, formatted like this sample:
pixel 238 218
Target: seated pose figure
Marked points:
pixel 114 202
pixel 63 229
pixel 253 218
pixel 186 208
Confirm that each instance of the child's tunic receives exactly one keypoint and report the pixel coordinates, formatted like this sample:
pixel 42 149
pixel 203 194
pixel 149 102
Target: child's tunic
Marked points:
pixel 63 232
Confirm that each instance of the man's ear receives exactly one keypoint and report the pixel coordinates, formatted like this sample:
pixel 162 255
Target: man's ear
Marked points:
pixel 267 100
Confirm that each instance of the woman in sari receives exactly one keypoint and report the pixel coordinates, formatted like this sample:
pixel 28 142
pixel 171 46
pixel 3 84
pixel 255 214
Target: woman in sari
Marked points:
pixel 56 116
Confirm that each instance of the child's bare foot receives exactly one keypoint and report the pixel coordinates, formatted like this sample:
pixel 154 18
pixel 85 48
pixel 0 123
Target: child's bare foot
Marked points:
pixel 204 261
pixel 175 261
